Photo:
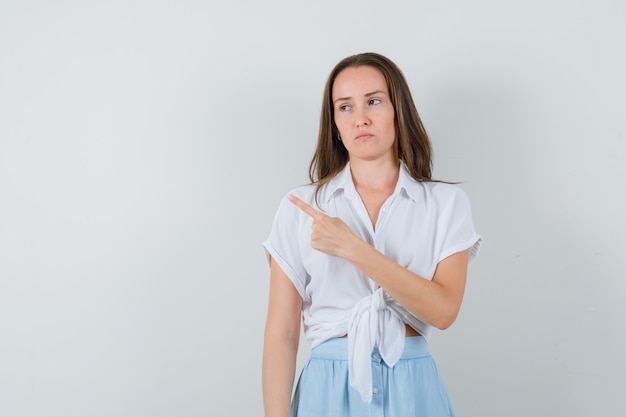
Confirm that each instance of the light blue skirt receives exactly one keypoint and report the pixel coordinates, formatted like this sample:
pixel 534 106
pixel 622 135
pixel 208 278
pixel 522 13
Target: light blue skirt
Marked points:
pixel 412 388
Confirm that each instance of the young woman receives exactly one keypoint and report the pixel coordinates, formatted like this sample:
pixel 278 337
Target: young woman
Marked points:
pixel 370 257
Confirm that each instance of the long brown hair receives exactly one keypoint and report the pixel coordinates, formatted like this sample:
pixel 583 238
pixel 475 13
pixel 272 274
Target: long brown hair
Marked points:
pixel 414 147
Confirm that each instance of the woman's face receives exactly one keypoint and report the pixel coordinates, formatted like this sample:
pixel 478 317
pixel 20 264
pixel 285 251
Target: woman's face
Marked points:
pixel 364 114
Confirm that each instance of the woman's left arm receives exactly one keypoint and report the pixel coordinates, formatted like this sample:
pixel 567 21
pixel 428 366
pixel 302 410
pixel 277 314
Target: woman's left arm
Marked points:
pixel 435 301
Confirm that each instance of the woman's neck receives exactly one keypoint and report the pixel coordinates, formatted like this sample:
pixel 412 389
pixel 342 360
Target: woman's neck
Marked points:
pixel 375 176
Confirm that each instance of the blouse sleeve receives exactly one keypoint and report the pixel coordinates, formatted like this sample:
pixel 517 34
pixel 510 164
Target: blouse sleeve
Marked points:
pixel 458 229
pixel 283 245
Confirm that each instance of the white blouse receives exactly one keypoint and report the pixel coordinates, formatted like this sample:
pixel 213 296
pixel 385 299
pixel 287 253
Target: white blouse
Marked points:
pixel 419 225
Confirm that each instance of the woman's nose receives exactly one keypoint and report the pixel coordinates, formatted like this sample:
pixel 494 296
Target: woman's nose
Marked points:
pixel 362 119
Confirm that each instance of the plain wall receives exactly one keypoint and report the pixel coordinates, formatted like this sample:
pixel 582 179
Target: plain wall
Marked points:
pixel 145 145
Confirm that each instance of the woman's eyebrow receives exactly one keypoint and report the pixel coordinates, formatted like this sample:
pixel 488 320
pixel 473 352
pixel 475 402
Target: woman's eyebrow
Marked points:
pixel 342 99
pixel 373 93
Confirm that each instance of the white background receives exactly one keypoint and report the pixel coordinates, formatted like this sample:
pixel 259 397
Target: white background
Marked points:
pixel 144 146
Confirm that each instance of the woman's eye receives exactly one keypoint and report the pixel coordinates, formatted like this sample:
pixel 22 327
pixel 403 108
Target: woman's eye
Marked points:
pixel 344 107
pixel 374 101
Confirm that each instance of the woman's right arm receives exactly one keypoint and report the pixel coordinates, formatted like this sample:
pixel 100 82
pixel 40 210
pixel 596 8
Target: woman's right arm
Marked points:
pixel 282 334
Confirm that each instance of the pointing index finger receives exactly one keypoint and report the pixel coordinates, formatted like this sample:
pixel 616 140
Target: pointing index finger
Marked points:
pixel 303 206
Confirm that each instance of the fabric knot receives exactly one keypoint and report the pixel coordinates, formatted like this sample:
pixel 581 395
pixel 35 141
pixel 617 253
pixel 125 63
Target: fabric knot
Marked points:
pixel 378 300
pixel 372 324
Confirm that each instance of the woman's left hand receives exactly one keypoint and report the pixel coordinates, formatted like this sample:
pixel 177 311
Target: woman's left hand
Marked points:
pixel 329 234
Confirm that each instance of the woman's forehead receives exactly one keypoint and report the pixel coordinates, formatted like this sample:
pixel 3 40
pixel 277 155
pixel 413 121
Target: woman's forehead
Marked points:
pixel 360 81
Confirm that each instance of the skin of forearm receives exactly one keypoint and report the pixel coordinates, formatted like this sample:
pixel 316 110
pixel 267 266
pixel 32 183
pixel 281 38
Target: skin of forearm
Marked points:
pixel 424 298
pixel 279 363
